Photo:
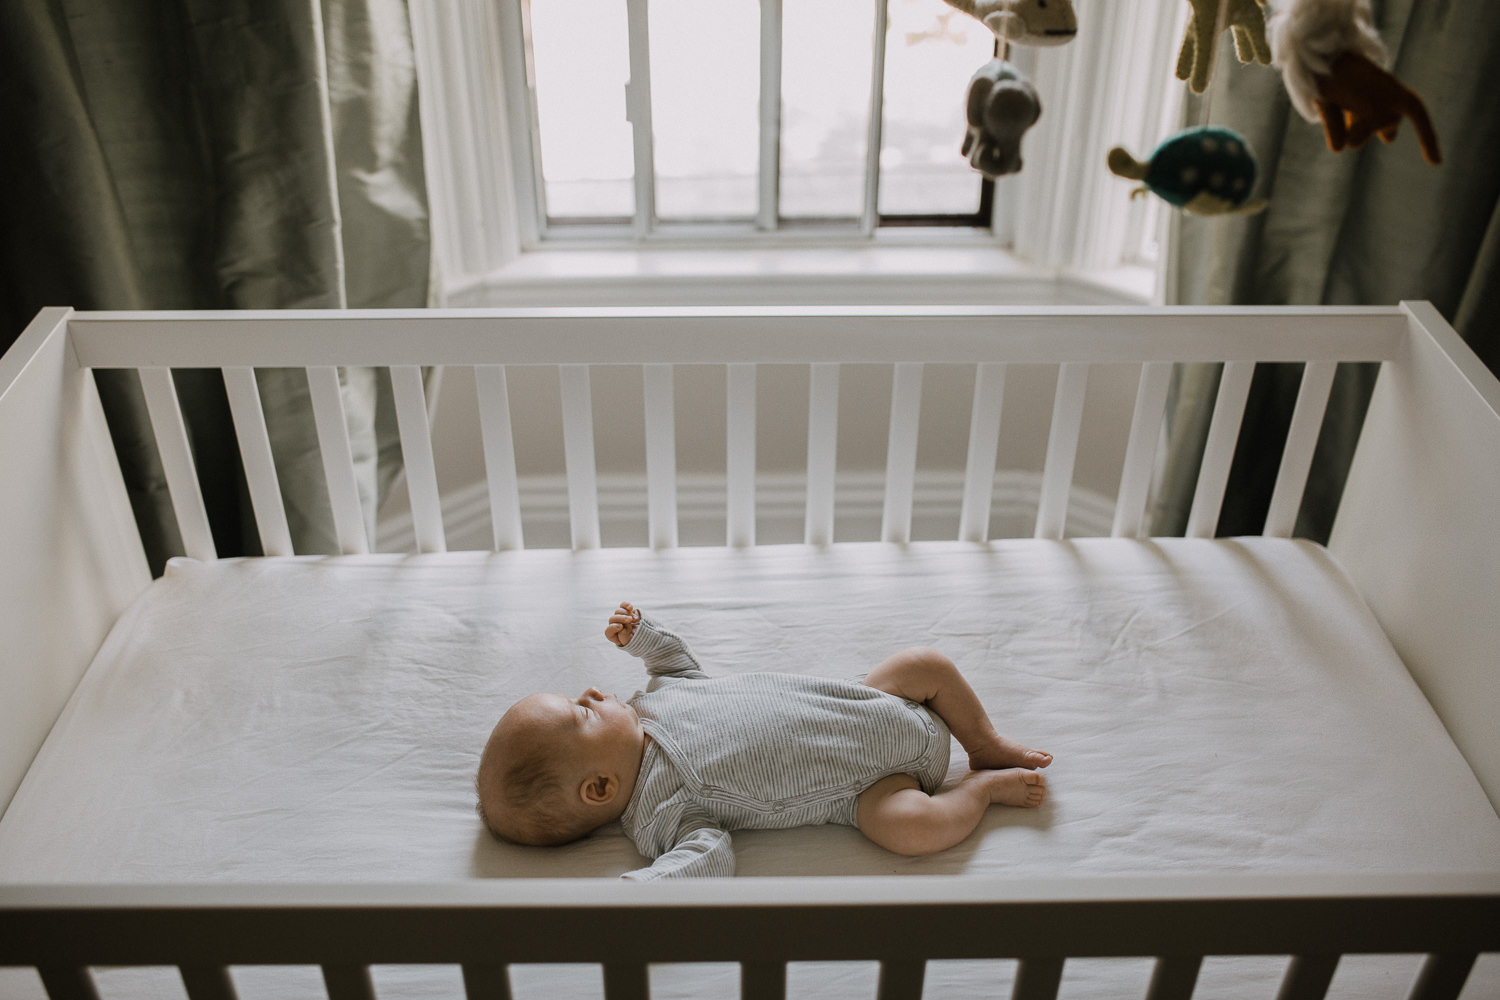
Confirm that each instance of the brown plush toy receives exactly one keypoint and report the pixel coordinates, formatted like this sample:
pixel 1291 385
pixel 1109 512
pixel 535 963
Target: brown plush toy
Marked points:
pixel 1357 99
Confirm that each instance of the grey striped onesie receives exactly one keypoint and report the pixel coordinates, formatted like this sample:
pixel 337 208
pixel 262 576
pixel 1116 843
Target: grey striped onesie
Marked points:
pixel 759 751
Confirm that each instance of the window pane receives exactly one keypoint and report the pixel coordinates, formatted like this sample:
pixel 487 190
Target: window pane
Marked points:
pixel 705 107
pixel 827 55
pixel 930 54
pixel 581 55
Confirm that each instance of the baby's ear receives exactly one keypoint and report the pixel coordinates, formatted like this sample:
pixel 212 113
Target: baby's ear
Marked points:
pixel 599 790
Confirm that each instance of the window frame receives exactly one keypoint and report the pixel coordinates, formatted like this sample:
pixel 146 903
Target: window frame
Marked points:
pixel 1063 223
pixel 645 228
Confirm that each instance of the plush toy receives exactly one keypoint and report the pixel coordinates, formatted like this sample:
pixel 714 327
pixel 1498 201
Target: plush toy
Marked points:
pixel 1358 99
pixel 1195 62
pixel 1024 22
pixel 1331 59
pixel 1205 171
pixel 1002 106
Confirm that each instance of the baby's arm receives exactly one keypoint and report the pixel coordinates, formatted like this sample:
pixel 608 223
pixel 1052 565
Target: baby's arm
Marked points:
pixel 685 842
pixel 666 653
pixel 705 852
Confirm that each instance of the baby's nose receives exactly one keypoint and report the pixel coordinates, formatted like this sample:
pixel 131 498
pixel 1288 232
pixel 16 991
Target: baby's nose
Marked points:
pixel 594 694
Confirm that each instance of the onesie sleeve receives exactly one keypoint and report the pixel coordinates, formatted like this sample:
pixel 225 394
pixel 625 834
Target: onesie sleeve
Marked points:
pixel 665 652
pixel 703 849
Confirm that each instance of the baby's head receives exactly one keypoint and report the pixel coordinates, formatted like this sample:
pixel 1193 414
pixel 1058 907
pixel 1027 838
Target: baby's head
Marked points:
pixel 555 769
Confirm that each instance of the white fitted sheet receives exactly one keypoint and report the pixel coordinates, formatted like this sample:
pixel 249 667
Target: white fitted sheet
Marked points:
pixel 1214 706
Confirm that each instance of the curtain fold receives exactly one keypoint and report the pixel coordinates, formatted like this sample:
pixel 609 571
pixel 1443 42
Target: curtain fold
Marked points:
pixel 1367 227
pixel 217 154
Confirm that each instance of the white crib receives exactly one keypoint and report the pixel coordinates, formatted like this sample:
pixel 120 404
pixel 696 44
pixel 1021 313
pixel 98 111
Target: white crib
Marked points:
pixel 1417 533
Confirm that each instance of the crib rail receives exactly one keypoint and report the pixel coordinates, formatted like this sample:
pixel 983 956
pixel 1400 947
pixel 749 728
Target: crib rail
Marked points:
pixel 577 343
pixel 760 923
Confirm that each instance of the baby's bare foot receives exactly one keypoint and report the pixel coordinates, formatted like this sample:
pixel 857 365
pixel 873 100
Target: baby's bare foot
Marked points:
pixel 1005 752
pixel 1014 786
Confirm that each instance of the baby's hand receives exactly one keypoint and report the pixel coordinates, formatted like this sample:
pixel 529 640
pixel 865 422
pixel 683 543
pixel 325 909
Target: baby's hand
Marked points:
pixel 622 624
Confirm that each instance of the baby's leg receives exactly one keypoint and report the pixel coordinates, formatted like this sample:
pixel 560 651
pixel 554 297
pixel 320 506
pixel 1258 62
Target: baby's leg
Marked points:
pixel 928 677
pixel 896 814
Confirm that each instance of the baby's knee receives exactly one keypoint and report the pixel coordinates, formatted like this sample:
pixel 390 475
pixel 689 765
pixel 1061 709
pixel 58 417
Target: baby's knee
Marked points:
pixel 931 666
pixel 928 657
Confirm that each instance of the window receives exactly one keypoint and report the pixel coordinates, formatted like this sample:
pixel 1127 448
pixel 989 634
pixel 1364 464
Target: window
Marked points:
pixel 630 123
pixel 669 116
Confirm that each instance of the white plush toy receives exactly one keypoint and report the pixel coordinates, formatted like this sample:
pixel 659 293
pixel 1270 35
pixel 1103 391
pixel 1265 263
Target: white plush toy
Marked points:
pixel 1024 22
pixel 1305 37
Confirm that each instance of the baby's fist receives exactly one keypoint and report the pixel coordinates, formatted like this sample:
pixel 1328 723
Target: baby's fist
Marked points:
pixel 622 624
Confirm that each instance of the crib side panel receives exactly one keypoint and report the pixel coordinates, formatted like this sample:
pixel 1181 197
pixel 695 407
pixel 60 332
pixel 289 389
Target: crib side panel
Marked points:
pixel 71 559
pixel 1419 530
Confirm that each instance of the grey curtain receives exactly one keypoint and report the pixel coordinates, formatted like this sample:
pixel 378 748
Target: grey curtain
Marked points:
pixel 1371 227
pixel 217 154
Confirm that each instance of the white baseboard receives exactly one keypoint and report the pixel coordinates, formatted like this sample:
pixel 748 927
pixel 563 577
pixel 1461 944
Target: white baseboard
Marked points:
pixel 780 507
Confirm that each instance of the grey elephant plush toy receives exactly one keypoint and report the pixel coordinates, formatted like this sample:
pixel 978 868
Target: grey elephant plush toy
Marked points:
pixel 1002 106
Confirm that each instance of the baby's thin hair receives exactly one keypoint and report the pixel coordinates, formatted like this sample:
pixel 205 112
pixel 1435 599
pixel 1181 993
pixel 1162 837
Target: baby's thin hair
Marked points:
pixel 532 797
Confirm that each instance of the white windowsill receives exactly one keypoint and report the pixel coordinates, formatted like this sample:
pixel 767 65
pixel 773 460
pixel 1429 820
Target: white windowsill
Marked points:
pixel 902 268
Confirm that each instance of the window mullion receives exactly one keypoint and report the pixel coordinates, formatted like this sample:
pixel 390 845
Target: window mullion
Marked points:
pixel 870 216
pixel 638 107
pixel 770 115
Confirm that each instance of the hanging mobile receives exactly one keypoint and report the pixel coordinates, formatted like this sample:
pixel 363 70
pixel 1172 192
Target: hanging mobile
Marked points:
pixel 1002 106
pixel 1024 22
pixel 1333 62
pixel 1245 18
pixel 1204 171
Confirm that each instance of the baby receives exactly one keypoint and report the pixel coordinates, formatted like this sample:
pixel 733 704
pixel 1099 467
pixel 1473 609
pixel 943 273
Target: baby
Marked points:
pixel 693 757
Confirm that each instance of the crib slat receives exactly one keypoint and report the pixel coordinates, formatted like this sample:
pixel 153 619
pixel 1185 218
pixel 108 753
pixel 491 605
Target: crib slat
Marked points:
pixel 1218 453
pixel 901 980
pixel 499 456
pixel 1062 449
pixel 260 465
pixel 1442 977
pixel 1174 978
pixel 762 981
pixel 207 982
pixel 822 452
pixel 1037 979
pixel 416 457
pixel 486 982
pixel 626 981
pixel 984 439
pixel 348 982
pixel 1307 977
pixel 740 461
pixel 68 982
pixel 661 455
pixel 338 459
pixel 901 452
pixel 1301 440
pixel 1140 452
pixel 578 455
pixel 177 462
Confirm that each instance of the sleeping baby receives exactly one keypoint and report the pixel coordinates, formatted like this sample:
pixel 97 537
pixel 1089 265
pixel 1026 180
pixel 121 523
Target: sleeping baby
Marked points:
pixel 694 757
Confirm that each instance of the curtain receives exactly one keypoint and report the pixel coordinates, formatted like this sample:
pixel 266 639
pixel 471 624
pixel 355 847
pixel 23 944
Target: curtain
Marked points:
pixel 1370 227
pixel 217 154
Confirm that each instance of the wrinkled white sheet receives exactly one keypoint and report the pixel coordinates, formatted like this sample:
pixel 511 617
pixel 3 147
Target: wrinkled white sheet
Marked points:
pixel 1214 706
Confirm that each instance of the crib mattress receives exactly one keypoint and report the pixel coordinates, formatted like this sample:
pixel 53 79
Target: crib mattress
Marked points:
pixel 1213 706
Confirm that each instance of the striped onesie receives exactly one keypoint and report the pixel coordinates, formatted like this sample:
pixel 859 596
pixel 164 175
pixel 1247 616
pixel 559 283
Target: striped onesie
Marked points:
pixel 759 751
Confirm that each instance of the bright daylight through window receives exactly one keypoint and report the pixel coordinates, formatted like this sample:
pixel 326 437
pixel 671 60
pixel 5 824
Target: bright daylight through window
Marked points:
pixel 670 115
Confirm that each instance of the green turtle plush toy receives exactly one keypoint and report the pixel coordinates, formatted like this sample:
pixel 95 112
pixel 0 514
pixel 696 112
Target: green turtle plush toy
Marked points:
pixel 1205 171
